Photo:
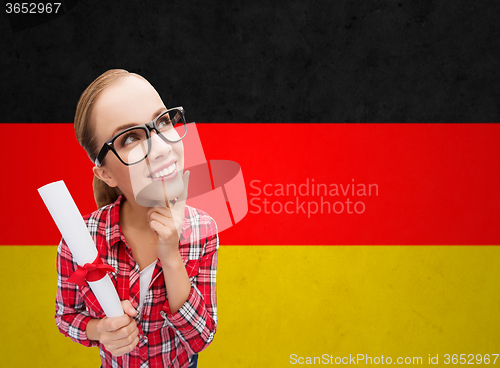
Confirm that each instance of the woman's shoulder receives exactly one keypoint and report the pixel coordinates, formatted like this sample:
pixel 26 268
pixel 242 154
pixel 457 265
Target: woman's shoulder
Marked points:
pixel 98 214
pixel 103 217
pixel 199 227
pixel 199 217
pixel 193 211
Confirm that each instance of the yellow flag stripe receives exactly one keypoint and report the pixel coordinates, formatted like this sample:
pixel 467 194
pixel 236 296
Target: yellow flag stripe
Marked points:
pixel 280 303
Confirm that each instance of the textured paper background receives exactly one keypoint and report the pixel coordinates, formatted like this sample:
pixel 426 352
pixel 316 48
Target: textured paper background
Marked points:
pixel 287 61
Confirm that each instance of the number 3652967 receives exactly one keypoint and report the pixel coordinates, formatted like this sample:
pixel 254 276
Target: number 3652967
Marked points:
pixel 32 8
pixel 470 359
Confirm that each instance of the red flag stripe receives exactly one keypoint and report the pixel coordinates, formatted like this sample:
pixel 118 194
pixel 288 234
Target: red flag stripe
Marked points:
pixel 431 184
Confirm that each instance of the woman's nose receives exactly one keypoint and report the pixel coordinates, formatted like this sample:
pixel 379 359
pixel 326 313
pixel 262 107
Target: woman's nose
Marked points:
pixel 159 148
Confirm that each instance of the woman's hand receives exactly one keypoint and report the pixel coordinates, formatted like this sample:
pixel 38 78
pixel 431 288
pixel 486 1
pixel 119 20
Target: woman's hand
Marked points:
pixel 119 335
pixel 166 222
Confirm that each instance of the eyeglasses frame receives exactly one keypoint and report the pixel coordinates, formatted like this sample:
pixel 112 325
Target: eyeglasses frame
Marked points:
pixel 148 127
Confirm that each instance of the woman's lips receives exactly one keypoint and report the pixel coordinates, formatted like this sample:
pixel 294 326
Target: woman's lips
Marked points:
pixel 166 174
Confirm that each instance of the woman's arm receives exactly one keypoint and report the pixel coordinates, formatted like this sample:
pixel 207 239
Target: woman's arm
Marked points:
pixel 195 322
pixel 71 315
pixel 176 279
pixel 91 329
pixel 118 335
pixel 191 307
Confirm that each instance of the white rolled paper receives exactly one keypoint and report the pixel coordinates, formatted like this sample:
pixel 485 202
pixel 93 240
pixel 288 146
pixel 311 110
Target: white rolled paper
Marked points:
pixel 68 219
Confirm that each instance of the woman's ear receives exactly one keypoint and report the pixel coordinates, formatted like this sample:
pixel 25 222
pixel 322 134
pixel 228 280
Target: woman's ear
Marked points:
pixel 105 176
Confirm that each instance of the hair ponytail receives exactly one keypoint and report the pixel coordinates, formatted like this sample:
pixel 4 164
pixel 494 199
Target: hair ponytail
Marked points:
pixel 103 193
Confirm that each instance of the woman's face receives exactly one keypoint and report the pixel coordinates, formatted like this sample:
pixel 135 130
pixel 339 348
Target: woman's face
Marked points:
pixel 128 102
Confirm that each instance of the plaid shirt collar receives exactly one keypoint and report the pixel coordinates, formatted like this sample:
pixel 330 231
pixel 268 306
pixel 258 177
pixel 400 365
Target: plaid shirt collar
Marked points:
pixel 115 235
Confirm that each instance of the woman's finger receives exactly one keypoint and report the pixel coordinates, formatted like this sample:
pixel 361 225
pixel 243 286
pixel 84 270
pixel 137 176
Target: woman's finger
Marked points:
pixel 162 219
pixel 185 179
pixel 163 232
pixel 157 227
pixel 125 349
pixel 181 201
pixel 162 211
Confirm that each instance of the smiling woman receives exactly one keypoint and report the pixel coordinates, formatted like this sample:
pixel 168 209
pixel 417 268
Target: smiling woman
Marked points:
pixel 164 251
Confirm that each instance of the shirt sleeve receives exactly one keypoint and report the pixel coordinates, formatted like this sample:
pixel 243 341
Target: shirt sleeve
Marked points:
pixel 71 314
pixel 196 320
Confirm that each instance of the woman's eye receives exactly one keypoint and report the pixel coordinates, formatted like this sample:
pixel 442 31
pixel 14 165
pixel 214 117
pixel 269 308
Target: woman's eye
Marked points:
pixel 128 139
pixel 164 124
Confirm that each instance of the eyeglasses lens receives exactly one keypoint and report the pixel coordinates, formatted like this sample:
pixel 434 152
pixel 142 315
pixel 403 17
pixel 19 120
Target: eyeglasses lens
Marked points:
pixel 133 145
pixel 171 126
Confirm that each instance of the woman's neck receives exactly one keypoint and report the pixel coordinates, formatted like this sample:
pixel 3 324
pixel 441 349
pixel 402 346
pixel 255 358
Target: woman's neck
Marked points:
pixel 133 215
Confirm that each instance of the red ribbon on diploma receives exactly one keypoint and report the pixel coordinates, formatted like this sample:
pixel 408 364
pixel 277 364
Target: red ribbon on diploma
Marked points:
pixel 90 272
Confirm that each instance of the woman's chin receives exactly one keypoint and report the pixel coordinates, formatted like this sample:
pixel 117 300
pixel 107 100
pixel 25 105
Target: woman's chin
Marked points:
pixel 159 192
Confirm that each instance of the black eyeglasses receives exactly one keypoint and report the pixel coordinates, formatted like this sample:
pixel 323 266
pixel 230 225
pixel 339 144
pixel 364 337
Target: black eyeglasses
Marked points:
pixel 134 144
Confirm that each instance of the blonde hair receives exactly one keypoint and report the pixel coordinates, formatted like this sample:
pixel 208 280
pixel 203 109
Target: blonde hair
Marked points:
pixel 103 193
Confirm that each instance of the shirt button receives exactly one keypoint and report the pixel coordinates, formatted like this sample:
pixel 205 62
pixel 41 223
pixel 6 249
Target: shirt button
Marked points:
pixel 145 316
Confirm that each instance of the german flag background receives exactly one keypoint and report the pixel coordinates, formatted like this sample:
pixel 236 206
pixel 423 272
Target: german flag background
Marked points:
pixel 368 140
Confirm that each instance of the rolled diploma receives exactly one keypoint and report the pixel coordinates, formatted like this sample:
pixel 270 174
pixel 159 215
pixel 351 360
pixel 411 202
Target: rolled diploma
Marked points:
pixel 68 219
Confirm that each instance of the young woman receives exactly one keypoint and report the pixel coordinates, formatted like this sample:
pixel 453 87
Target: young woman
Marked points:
pixel 164 252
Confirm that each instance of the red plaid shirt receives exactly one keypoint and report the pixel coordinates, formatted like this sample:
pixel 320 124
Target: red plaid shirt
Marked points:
pixel 165 339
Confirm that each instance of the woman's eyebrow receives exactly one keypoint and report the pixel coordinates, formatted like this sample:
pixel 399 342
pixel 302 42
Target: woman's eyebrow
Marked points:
pixel 123 127
pixel 158 112
pixel 129 125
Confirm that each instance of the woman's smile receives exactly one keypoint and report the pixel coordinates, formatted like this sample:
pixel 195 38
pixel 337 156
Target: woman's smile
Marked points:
pixel 165 172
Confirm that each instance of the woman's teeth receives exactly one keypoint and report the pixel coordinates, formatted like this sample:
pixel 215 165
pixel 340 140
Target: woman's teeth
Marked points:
pixel 165 172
